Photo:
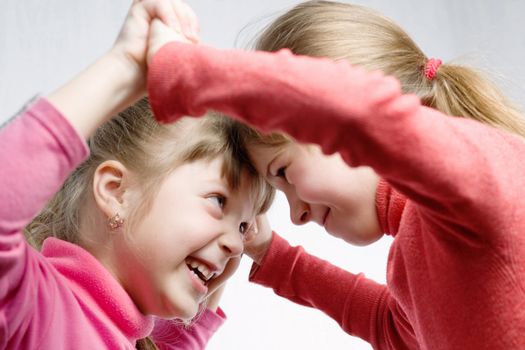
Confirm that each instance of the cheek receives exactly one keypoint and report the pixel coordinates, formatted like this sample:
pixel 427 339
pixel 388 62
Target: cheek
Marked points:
pixel 162 236
pixel 331 188
pixel 312 190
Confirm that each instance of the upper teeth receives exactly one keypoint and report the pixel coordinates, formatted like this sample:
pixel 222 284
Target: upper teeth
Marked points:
pixel 203 269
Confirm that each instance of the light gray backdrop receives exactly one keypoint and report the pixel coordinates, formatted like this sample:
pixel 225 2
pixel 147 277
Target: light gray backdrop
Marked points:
pixel 44 43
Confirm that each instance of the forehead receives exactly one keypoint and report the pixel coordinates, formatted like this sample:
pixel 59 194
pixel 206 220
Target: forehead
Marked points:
pixel 214 171
pixel 248 190
pixel 245 197
pixel 263 155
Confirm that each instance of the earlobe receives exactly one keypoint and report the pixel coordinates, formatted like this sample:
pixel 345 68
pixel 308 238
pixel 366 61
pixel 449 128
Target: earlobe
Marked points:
pixel 110 181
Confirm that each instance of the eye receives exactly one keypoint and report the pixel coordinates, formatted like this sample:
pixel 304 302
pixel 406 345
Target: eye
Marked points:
pixel 218 200
pixel 243 227
pixel 281 172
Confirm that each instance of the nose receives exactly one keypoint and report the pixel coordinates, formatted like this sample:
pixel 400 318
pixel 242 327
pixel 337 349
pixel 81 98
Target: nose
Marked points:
pixel 231 242
pixel 300 212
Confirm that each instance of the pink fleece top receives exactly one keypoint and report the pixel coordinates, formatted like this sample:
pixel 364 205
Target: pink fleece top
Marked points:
pixel 62 298
pixel 453 194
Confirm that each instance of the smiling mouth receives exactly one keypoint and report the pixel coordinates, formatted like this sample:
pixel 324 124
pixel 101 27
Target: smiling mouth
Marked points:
pixel 200 270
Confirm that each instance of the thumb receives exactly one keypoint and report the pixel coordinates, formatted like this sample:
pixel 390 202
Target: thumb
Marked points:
pixel 159 35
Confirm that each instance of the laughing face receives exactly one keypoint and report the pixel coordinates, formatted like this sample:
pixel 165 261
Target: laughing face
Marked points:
pixel 322 189
pixel 178 252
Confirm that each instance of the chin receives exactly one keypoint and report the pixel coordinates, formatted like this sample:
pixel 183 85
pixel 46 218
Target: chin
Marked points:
pixel 362 240
pixel 359 240
pixel 188 312
pixel 190 316
pixel 172 309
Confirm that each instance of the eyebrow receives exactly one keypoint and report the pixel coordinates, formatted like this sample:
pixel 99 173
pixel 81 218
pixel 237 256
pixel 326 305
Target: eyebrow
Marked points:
pixel 221 181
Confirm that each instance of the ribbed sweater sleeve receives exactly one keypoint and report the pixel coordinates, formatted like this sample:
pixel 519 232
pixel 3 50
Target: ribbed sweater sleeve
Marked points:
pixel 362 307
pixel 364 116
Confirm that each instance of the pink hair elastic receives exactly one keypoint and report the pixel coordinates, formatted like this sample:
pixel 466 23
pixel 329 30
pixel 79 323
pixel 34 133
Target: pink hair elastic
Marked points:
pixel 431 68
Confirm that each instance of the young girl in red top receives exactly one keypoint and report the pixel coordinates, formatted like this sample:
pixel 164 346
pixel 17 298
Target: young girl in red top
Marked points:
pixel 383 155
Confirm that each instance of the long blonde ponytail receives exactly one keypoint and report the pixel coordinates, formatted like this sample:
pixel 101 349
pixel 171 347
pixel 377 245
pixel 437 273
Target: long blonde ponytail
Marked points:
pixel 366 38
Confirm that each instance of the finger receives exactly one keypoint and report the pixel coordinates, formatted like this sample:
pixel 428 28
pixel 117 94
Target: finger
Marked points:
pixel 162 33
pixel 193 22
pixel 251 232
pixel 229 270
pixel 163 10
pixel 159 35
pixel 186 17
pixel 214 298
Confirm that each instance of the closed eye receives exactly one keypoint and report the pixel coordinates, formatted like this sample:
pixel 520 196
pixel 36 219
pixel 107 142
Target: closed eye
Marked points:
pixel 281 172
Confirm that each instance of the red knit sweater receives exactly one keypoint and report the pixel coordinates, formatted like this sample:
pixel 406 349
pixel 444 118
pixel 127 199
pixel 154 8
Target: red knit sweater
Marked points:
pixel 456 269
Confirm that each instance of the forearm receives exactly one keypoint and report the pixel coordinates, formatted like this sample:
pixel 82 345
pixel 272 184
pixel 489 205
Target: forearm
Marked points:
pixel 358 304
pixel 103 89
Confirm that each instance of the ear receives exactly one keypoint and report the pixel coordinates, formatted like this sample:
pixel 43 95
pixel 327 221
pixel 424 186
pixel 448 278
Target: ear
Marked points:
pixel 110 182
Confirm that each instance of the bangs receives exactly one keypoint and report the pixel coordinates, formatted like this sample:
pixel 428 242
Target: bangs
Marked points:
pixel 218 136
pixel 260 191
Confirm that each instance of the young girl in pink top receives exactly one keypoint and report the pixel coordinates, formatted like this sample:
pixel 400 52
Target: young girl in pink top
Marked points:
pixel 383 155
pixel 148 219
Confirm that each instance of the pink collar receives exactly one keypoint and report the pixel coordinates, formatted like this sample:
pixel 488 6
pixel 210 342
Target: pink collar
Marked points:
pixel 96 288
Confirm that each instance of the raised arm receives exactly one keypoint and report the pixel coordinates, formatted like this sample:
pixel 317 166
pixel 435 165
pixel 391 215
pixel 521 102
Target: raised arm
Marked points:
pixel 428 156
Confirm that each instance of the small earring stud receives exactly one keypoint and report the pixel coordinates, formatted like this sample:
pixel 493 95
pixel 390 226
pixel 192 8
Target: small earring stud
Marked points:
pixel 115 222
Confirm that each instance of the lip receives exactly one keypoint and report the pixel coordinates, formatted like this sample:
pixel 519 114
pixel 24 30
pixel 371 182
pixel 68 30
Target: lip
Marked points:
pixel 213 268
pixel 196 283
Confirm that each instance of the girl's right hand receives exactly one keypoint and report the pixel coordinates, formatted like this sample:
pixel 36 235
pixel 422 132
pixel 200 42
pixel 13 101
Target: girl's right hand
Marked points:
pixel 258 239
pixel 118 78
pixel 161 34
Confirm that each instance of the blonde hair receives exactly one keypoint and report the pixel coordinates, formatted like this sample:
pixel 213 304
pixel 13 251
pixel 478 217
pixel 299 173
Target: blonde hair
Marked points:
pixel 146 344
pixel 368 39
pixel 151 151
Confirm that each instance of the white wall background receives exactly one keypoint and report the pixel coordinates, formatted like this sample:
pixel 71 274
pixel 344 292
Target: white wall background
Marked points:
pixel 44 43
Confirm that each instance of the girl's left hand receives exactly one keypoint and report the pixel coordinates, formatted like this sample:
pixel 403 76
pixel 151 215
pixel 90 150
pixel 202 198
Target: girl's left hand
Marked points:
pixel 215 298
pixel 229 270
pixel 118 78
pixel 258 239
pixel 132 42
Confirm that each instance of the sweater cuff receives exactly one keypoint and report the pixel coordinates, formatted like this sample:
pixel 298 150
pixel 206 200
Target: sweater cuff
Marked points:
pixel 168 93
pixel 212 320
